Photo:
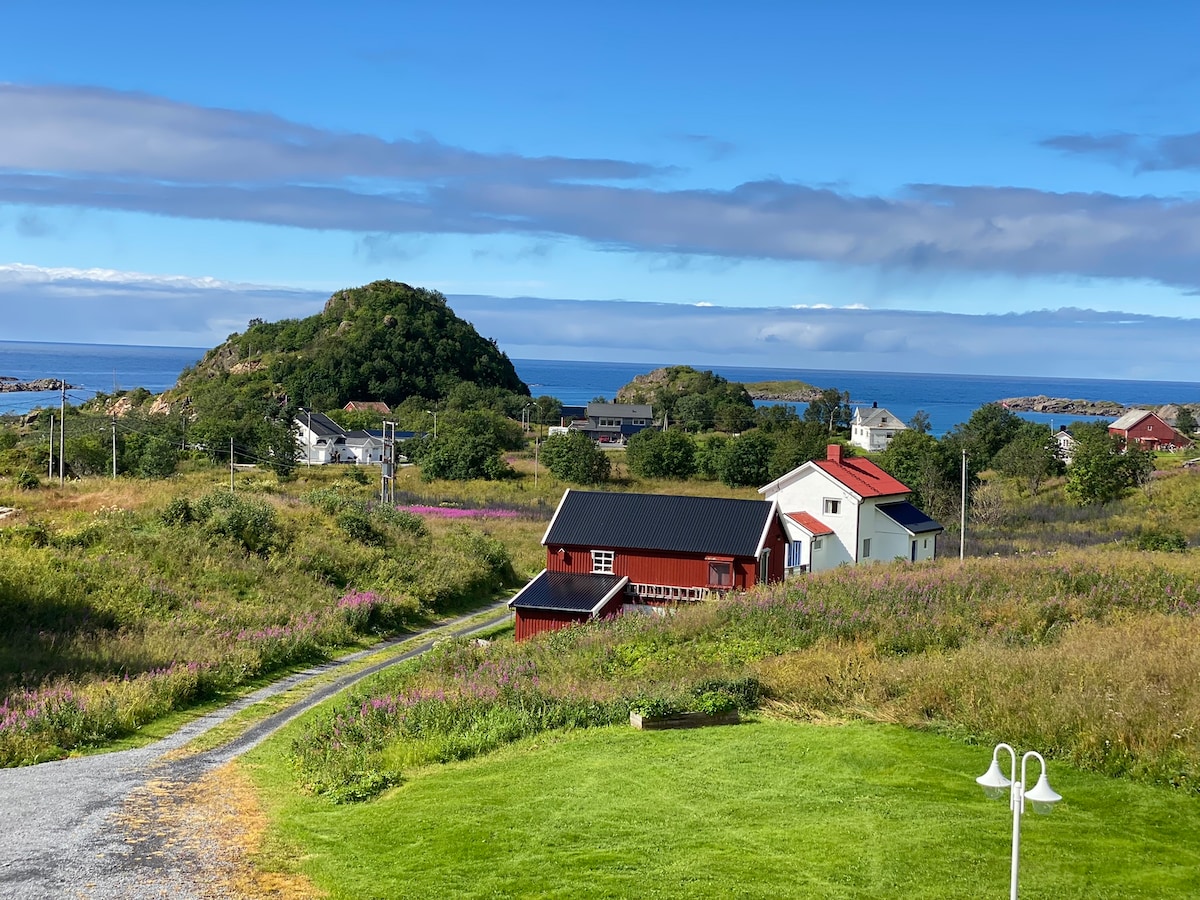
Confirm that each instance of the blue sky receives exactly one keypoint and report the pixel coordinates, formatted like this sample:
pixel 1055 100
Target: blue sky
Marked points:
pixel 875 186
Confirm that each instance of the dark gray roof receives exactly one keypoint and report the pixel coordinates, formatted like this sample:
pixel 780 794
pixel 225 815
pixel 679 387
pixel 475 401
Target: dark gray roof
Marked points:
pixel 320 424
pixel 711 525
pixel 908 516
pixel 621 410
pixel 568 592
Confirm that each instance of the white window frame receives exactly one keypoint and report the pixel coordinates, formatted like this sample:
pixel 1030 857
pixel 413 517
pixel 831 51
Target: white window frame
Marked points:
pixel 866 553
pixel 816 543
pixel 832 506
pixel 602 562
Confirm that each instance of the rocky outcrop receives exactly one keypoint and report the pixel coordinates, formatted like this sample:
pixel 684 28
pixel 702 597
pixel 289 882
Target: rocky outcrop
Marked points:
pixel 1062 406
pixel 10 385
pixel 1103 408
pixel 784 391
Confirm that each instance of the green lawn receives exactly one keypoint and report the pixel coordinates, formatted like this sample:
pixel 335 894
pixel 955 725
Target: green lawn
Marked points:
pixel 765 809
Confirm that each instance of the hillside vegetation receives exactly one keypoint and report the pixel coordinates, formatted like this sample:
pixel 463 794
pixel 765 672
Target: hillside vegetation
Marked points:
pixel 383 341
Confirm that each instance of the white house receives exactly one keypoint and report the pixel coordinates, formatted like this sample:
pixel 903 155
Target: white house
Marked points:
pixel 873 429
pixel 847 510
pixel 320 440
pixel 1065 444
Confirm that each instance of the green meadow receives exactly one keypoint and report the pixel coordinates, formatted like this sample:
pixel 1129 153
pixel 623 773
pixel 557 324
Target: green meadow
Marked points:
pixel 769 808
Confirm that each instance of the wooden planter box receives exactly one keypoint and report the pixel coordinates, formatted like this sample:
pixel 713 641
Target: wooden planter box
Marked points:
pixel 683 720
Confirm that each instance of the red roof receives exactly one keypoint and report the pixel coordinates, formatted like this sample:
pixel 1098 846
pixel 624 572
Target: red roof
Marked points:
pixel 810 523
pixel 860 475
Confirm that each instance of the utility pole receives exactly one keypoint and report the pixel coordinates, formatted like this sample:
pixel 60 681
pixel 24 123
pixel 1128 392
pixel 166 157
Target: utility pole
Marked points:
pixel 231 465
pixel 62 435
pixel 962 525
pixel 114 442
pixel 308 441
pixel 50 473
pixel 387 464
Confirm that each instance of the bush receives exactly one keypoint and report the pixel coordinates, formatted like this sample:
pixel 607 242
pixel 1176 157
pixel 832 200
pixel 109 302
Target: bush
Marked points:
pixel 1164 539
pixel 27 481
pixel 356 525
pixel 250 523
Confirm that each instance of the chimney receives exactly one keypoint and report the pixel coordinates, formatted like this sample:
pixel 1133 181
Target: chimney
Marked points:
pixel 874 404
pixel 834 454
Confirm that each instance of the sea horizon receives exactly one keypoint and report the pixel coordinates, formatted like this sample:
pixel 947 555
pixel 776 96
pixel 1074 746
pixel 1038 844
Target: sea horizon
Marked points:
pixel 947 398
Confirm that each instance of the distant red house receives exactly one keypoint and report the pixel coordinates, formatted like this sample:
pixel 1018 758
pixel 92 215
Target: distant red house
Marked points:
pixel 605 551
pixel 375 406
pixel 1147 429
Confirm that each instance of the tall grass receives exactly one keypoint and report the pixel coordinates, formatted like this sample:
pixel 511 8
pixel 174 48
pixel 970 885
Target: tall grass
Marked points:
pixel 112 615
pixel 1091 657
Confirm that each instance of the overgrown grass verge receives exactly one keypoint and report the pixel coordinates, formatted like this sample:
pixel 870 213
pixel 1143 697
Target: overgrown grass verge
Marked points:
pixel 114 616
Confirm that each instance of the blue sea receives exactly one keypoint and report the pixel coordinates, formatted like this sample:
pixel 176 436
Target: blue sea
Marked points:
pixel 948 399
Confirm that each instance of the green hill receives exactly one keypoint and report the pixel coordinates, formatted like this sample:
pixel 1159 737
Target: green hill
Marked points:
pixel 384 341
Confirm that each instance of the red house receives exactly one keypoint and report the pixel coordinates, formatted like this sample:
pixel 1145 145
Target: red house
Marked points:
pixel 1147 429
pixel 605 551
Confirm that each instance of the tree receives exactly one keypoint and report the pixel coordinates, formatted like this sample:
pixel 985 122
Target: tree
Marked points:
pixel 461 455
pixel 831 408
pixel 746 460
pixel 710 455
pixel 985 433
pixel 796 445
pixel 1185 421
pixel 661 454
pixel 732 418
pixel 575 457
pixel 1101 471
pixel 1032 455
pixel 925 466
pixel 693 412
pixel 919 422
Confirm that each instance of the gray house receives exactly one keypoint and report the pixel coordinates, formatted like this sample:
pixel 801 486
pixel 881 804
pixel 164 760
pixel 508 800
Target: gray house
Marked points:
pixel 613 423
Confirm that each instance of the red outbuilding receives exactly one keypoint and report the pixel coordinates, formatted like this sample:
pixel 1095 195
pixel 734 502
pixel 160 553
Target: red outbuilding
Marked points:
pixel 606 551
pixel 1147 429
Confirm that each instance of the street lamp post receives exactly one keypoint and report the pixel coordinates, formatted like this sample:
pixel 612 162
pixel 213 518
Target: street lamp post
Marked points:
pixel 433 412
pixel 1042 796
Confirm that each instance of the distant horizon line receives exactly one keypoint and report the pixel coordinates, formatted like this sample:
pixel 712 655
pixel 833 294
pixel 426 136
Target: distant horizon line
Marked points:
pixel 651 366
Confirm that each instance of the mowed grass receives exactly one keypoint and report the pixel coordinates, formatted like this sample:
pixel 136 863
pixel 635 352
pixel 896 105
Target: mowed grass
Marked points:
pixel 766 809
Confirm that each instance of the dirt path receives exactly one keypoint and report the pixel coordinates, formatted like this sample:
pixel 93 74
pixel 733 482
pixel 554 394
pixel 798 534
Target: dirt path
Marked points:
pixel 150 823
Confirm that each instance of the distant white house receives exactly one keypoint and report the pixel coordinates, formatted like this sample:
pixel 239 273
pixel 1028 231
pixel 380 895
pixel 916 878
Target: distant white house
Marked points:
pixel 320 440
pixel 846 511
pixel 1065 444
pixel 873 429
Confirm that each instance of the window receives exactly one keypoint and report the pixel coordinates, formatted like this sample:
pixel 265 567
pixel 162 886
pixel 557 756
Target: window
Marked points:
pixel 608 423
pixel 638 422
pixel 866 548
pixel 816 543
pixel 720 574
pixel 795 554
pixel 764 566
pixel 832 507
pixel 602 562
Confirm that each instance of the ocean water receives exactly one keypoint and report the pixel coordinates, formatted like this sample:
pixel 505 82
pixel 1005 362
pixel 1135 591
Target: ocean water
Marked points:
pixel 947 399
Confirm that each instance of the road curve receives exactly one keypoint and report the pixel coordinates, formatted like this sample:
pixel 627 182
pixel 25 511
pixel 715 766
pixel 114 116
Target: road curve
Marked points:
pixel 104 827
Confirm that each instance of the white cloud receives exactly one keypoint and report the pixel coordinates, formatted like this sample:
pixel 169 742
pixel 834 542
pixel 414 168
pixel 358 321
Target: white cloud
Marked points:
pixel 153 155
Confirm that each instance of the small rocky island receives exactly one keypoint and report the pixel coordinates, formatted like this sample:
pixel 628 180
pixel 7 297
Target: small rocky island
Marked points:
pixel 1102 408
pixel 11 385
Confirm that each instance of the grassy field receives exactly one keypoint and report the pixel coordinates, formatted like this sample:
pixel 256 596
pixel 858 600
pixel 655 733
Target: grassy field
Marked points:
pixel 766 809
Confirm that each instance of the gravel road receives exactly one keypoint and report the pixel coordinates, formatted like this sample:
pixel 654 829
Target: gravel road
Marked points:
pixel 114 826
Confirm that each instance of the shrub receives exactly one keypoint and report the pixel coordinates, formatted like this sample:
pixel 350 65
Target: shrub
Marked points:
pixel 27 481
pixel 356 525
pixel 1165 539
pixel 250 523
